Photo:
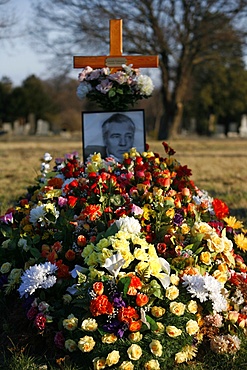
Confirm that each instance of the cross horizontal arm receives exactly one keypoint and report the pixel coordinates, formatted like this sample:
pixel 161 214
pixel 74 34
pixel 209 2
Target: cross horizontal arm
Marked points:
pixel 137 61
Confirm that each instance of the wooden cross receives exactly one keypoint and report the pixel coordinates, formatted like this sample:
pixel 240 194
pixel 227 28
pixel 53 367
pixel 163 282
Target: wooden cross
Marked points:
pixel 115 59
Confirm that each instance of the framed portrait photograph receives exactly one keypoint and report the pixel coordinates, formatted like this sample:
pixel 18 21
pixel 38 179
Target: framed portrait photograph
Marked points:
pixel 113 133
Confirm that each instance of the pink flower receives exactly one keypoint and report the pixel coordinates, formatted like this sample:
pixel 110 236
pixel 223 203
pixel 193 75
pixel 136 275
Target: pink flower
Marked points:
pixel 59 340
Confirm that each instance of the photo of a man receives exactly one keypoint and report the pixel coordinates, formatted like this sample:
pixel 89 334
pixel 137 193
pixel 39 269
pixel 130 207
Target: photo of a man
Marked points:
pixel 118 134
pixel 113 133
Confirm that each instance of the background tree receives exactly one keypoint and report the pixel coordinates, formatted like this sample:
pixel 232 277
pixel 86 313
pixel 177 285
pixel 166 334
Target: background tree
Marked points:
pixel 8 21
pixel 183 33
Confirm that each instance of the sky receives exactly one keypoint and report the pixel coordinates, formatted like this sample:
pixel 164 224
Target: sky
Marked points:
pixel 17 59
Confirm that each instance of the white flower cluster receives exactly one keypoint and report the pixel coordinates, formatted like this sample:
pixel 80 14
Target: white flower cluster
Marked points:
pixel 206 288
pixel 41 214
pixel 145 85
pixel 128 224
pixel 37 276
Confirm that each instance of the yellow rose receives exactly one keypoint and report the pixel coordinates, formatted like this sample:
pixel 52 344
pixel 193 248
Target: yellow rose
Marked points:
pixel 134 352
pixel 92 260
pixel 174 279
pixel 103 243
pixel 172 292
pixel 87 250
pixel 201 228
pixel 233 316
pixel 215 243
pixel 205 257
pixel 156 347
pixel 70 323
pixel 173 331
pixel 180 357
pixel 160 329
pixel 98 363
pixel 158 311
pixel 126 365
pixel 192 306
pixel 109 338
pixel 89 324
pixel 192 327
pixel 220 276
pixel 185 229
pixel 152 365
pixel 86 344
pixel 70 345
pixel 135 337
pixel 177 308
pixel 112 358
pixel 5 268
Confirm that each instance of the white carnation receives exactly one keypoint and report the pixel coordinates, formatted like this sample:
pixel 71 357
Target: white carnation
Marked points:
pixel 129 224
pixel 37 276
pixel 145 84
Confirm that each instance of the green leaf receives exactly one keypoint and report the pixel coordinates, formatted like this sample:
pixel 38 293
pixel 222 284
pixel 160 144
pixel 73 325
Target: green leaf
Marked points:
pixel 35 253
pixel 152 322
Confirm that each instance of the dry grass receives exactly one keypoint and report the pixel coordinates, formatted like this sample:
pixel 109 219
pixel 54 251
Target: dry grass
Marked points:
pixel 218 165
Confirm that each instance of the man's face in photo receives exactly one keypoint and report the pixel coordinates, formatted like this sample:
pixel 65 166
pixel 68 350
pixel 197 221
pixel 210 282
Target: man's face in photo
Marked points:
pixel 119 139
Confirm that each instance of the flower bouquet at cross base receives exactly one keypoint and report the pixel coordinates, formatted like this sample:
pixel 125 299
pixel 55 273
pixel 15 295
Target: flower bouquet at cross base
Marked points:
pixel 125 265
pixel 114 91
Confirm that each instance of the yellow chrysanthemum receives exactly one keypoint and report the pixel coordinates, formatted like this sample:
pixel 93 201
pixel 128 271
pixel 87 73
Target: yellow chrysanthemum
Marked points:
pixel 241 241
pixel 233 222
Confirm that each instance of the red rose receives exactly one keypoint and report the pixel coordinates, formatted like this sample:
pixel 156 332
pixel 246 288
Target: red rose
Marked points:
pixel 40 321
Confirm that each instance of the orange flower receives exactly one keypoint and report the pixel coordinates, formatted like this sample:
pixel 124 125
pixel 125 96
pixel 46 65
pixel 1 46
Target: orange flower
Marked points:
pixel 63 270
pixel 126 314
pixel 100 306
pixel 70 255
pixel 98 288
pixel 81 241
pixel 135 325
pixel 135 283
pixel 141 299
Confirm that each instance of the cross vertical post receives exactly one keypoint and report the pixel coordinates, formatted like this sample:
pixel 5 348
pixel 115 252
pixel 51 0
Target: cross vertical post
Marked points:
pixel 116 59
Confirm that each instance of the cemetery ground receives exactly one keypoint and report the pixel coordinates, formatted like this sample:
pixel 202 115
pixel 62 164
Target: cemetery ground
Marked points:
pixel 218 165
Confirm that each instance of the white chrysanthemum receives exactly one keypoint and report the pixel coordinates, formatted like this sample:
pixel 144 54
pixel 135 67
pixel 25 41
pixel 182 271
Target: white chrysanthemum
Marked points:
pixel 37 276
pixel 145 84
pixel 206 288
pixel 129 224
pixel 196 287
pixel 37 214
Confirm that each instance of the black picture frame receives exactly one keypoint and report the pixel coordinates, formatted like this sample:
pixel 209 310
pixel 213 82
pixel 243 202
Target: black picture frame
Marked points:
pixel 92 133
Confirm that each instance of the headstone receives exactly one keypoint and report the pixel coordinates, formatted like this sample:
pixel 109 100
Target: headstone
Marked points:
pixel 243 126
pixel 220 131
pixel 17 130
pixel 7 127
pixel 42 128
pixel 233 130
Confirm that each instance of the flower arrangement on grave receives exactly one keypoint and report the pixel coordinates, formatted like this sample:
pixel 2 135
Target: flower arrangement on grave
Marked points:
pixel 114 91
pixel 126 265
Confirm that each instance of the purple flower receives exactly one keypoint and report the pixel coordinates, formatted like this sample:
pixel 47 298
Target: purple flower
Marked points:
pixel 118 301
pixel 178 219
pixel 8 217
pixel 116 327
